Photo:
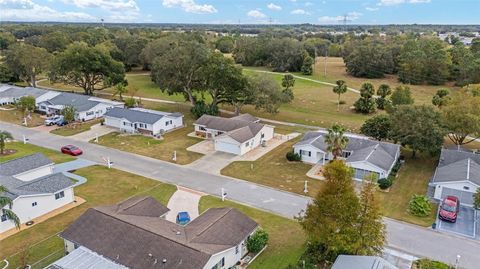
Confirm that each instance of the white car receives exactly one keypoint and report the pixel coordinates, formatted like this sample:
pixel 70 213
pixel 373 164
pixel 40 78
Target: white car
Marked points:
pixel 53 120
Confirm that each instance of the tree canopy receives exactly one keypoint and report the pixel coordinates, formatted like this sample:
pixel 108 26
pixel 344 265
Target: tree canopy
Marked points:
pixel 27 61
pixel 461 118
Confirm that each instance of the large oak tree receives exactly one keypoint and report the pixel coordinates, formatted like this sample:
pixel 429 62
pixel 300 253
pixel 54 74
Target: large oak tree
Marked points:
pixel 27 61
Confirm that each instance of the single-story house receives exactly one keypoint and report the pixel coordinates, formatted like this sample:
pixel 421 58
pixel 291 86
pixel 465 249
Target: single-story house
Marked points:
pixel 237 135
pixel 10 94
pixel 33 187
pixel 361 262
pixel 364 155
pixel 133 234
pixel 86 107
pixel 144 121
pixel 457 174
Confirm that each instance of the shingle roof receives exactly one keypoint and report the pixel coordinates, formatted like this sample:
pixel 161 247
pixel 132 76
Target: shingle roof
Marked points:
pixel 378 153
pixel 78 101
pixel 145 206
pixel 133 115
pixel 455 165
pixel 238 129
pixel 84 258
pixel 23 164
pixel 361 262
pixel 246 117
pixel 129 238
pixel 17 92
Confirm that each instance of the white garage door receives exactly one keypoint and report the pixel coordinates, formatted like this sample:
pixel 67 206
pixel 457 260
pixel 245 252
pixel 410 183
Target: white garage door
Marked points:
pixel 227 147
pixel 466 198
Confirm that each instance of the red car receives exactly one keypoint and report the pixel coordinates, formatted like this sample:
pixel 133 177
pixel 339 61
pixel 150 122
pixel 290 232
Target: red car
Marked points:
pixel 71 150
pixel 449 209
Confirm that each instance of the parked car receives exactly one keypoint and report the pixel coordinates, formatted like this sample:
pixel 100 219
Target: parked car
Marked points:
pixel 449 209
pixel 62 122
pixel 53 120
pixel 183 218
pixel 71 150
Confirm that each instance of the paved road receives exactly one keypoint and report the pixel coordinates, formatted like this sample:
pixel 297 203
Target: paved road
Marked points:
pixel 405 237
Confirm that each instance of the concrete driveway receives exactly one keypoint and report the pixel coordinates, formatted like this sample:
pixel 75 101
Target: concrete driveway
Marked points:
pixel 465 225
pixel 183 200
pixel 213 162
pixel 95 130
pixel 45 128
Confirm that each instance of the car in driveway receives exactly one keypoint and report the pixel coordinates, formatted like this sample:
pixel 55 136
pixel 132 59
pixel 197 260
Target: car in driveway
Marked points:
pixel 53 120
pixel 183 218
pixel 62 122
pixel 71 150
pixel 449 209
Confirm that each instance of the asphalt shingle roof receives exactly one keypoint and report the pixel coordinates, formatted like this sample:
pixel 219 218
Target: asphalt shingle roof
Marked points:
pixel 78 101
pixel 361 262
pixel 129 238
pixel 378 153
pixel 23 164
pixel 17 92
pixel 133 115
pixel 455 165
pixel 239 129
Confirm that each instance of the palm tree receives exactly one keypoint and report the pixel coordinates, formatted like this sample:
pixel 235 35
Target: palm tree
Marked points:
pixel 340 89
pixel 335 140
pixel 4 135
pixel 6 206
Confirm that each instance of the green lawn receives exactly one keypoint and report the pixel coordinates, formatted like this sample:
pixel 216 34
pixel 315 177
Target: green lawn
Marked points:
pixel 274 170
pixel 286 237
pixel 27 149
pixel 75 128
pixel 15 116
pixel 412 179
pixel 104 187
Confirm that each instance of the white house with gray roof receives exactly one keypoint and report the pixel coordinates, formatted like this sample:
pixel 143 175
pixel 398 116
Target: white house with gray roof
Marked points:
pixel 237 135
pixel 364 155
pixel 10 94
pixel 145 121
pixel 457 174
pixel 34 188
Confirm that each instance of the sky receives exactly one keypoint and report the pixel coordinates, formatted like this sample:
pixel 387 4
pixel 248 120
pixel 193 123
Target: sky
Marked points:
pixel 245 11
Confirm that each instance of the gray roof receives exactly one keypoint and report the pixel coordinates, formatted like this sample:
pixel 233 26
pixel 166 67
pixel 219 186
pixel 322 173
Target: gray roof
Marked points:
pixel 246 117
pixel 23 164
pixel 17 92
pixel 238 129
pixel 103 229
pixel 78 101
pixel 133 115
pixel 84 258
pixel 455 165
pixel 46 184
pixel 379 153
pixel 361 262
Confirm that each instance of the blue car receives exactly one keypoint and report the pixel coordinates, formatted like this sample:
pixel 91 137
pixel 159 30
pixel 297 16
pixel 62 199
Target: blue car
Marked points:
pixel 183 218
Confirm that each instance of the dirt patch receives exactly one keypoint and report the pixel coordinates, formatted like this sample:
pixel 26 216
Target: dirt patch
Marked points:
pixel 7 152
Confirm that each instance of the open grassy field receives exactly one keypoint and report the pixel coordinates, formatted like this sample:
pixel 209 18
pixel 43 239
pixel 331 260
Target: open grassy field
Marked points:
pixel 274 170
pixel 15 116
pixel 74 128
pixel 286 238
pixel 27 149
pixel 413 178
pixel 104 186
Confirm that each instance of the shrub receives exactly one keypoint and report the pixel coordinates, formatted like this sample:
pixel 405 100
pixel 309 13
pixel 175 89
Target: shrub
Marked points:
pixel 342 102
pixel 476 199
pixel 419 206
pixel 293 157
pixel 201 108
pixel 130 102
pixel 385 183
pixel 257 241
pixel 429 264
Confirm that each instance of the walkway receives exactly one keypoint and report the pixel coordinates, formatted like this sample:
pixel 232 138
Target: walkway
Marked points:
pixel 422 242
pixel 96 130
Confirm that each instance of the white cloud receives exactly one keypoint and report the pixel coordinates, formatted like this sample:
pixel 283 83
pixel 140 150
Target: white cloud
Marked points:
pixel 27 10
pixel 256 14
pixel 338 19
pixel 371 8
pixel 307 4
pixel 299 12
pixel 190 6
pixel 118 10
pixel 398 2
pixel 272 6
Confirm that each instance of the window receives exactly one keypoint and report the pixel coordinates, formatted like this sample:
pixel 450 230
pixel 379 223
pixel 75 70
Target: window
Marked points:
pixel 34 204
pixel 305 153
pixel 263 135
pixel 168 122
pixel 203 128
pixel 89 113
pixel 59 195
pixel 4 218
pixel 346 154
pixel 247 144
pixel 43 107
pixel 466 188
pixel 220 264
pixel 236 249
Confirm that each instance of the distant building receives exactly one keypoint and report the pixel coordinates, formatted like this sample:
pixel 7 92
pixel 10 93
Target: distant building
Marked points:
pixel 134 234
pixel 34 188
